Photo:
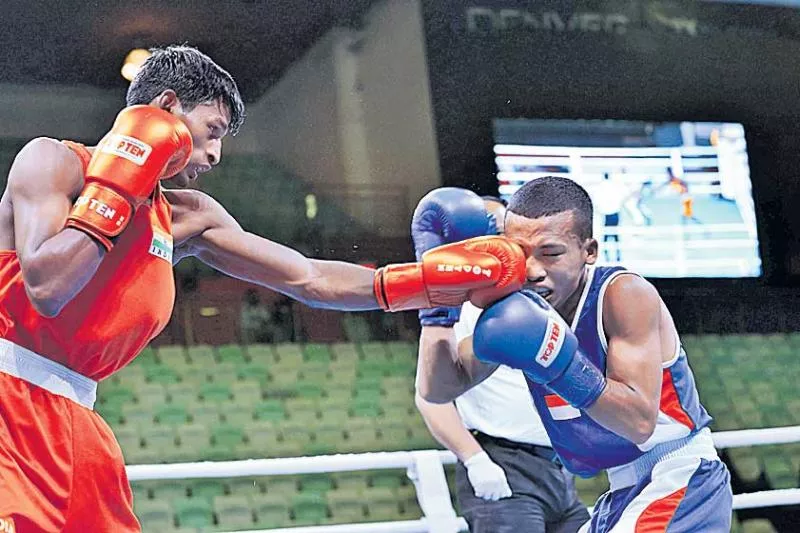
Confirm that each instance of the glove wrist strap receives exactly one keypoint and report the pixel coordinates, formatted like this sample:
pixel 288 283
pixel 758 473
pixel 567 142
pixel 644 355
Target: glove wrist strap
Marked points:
pixel 401 287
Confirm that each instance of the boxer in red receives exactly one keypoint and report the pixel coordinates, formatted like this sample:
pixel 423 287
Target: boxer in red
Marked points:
pixel 88 239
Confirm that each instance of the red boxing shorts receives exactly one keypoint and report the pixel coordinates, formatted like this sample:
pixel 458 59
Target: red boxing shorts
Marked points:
pixel 61 468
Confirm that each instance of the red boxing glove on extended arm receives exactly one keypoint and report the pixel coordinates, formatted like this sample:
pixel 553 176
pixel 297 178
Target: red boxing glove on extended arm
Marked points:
pixel 448 275
pixel 145 144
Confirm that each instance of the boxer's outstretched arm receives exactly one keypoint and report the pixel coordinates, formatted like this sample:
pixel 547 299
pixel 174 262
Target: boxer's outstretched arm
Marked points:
pixel 56 262
pixel 446 369
pixel 204 229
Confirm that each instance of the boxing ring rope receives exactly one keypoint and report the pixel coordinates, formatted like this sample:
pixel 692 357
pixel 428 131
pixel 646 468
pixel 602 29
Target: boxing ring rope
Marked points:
pixel 425 468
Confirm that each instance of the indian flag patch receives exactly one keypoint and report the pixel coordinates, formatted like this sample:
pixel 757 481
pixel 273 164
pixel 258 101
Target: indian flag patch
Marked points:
pixel 161 246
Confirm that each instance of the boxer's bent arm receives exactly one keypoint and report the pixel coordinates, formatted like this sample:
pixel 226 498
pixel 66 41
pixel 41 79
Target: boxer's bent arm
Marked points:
pixel 446 369
pixel 220 242
pixel 56 262
pixel 631 318
pixel 447 427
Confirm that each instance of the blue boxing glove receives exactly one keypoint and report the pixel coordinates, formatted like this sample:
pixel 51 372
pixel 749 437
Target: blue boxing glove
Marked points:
pixel 523 331
pixel 443 216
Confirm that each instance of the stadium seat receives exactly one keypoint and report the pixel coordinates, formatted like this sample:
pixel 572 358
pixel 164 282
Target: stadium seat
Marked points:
pixel 309 509
pixel 193 512
pixel 154 515
pixel 202 355
pixel 137 415
pixel 758 525
pixel 232 353
pixel 206 489
pixel 207 414
pixel 344 351
pixel 313 373
pixel 246 393
pixel 271 510
pixel 225 439
pixel 215 393
pixel 151 394
pixel 263 354
pixel 168 489
pixel 346 506
pixel 316 483
pixel 317 352
pixel 382 505
pixel 233 512
pixel 251 371
pixel 373 350
pixel 161 439
pixel 289 354
pixel 171 414
pixel 269 410
pixel 161 374
pixel 194 440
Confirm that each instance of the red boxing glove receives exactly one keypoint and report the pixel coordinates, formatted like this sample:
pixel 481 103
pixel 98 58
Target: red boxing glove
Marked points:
pixel 490 266
pixel 145 144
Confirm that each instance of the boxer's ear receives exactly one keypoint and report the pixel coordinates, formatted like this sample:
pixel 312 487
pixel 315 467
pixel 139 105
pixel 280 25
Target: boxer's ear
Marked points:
pixel 590 247
pixel 168 101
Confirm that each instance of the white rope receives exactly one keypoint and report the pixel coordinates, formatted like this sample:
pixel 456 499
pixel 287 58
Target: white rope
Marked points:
pixel 280 466
pixel 756 437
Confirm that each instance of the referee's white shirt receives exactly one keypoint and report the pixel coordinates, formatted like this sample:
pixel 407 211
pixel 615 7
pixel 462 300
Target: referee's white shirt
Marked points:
pixel 500 406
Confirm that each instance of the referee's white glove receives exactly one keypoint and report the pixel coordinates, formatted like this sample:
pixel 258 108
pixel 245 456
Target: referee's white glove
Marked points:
pixel 487 478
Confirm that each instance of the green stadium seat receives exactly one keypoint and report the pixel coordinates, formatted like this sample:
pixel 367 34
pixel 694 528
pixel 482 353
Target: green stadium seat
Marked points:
pixel 316 483
pixel 207 414
pixel 151 394
pixel 137 415
pixel 778 468
pixel 111 413
pixel 140 490
pixel 207 489
pixel 309 509
pixel 195 440
pixel 309 390
pixel 161 439
pixel 168 489
pixel 346 507
pixel 387 479
pixel 226 438
pixel 373 350
pixel 382 505
pixel 344 351
pixel 215 392
pixel 171 414
pixel 271 510
pixel 283 485
pixel 154 515
pixel 296 435
pixel 202 355
pixel 289 354
pixel 314 374
pixel 232 353
pixel 402 350
pixel 246 393
pixel 194 375
pixel 352 482
pixel 269 410
pixel 170 351
pixel 746 464
pixel 317 352
pixel 116 395
pixel 237 415
pixel 227 372
pixel 130 376
pixel 193 512
pixel 128 438
pixel 252 372
pixel 361 435
pixel 263 354
pixel 161 374
pixel 282 378
pixel 233 512
pixel 244 486
pixel 365 407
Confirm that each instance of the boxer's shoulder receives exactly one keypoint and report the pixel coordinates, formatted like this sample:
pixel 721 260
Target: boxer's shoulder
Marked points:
pixel 46 163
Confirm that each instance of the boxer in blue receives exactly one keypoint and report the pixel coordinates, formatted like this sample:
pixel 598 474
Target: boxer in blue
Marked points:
pixel 605 368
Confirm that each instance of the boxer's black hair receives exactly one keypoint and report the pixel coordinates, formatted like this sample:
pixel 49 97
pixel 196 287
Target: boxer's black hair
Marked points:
pixel 194 77
pixel 550 195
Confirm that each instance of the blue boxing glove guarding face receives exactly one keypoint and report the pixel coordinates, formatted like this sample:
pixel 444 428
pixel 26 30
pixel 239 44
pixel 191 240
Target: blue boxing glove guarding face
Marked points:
pixel 443 216
pixel 523 331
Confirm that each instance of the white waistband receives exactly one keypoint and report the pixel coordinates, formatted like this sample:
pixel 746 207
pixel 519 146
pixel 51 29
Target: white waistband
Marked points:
pixel 42 372
pixel 698 445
